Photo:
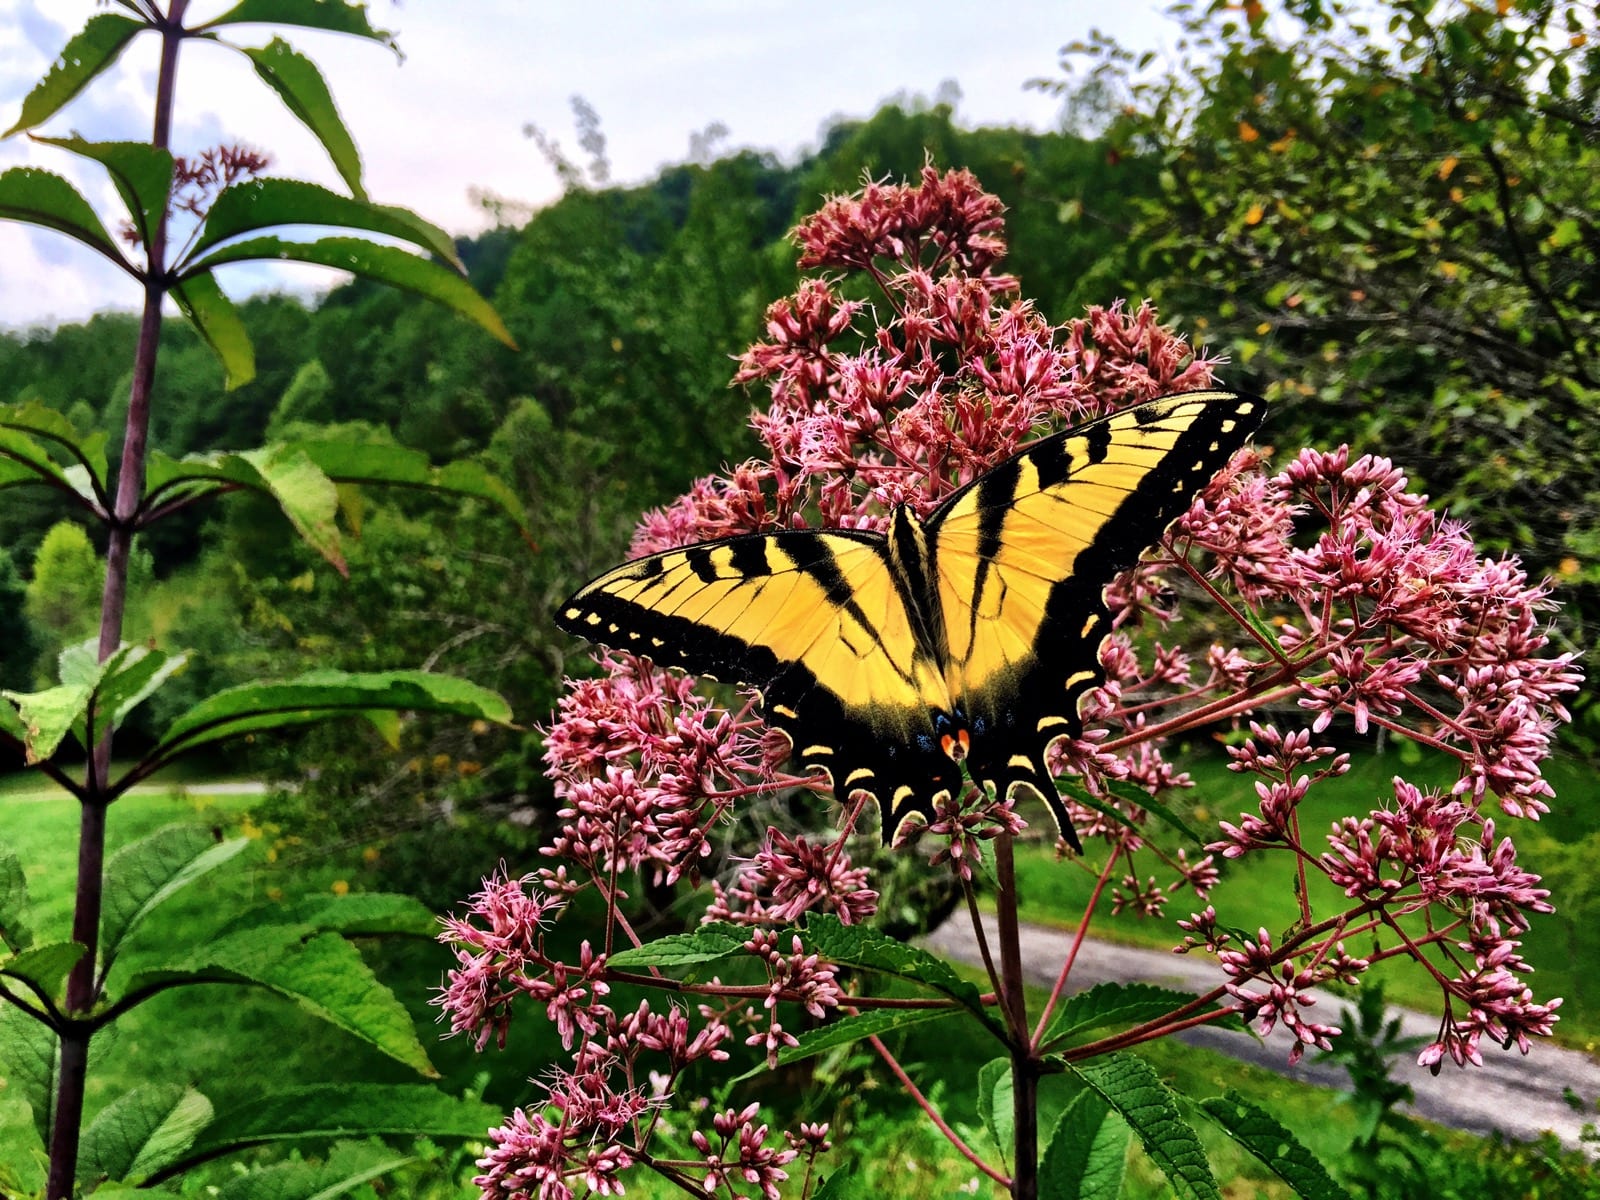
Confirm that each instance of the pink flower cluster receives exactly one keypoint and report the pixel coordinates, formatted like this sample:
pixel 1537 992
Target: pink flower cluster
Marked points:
pixel 1345 606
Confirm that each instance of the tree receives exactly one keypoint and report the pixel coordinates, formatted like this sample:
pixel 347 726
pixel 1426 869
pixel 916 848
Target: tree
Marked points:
pixel 64 592
pixel 1385 214
pixel 20 647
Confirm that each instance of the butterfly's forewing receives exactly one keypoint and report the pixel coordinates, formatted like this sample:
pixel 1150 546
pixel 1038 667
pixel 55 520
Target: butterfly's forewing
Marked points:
pixel 1023 554
pixel 813 619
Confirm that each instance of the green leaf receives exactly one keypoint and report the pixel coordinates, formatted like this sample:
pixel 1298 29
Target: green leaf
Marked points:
pixel 268 203
pixel 169 480
pixel 871 950
pixel 137 674
pixel 11 723
pixel 1087 1152
pixel 305 93
pixel 709 943
pixel 1082 795
pixel 143 875
pixel 1566 232
pixel 848 1029
pixel 117 686
pixel 28 1063
pixel 382 264
pixel 996 1094
pixel 26 1158
pixel 357 914
pixel 106 691
pixel 94 48
pixel 346 1110
pixel 141 172
pixel 348 1165
pixel 1114 1005
pixel 321 973
pixel 46 967
pixel 142 1132
pixel 1259 1132
pixel 48 717
pixel 336 16
pixel 307 496
pixel 1131 1087
pixel 27 434
pixel 201 300
pixel 15 906
pixel 401 466
pixel 46 199
pixel 319 696
pixel 841 1185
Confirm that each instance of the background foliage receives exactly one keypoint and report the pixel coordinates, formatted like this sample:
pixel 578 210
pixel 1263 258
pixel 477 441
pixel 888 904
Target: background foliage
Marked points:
pixel 1387 221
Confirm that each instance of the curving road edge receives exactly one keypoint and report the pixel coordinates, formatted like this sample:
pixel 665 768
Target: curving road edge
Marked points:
pixel 1518 1095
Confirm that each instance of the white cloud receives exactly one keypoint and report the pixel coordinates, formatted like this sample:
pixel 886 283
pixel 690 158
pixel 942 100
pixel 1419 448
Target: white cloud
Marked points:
pixel 450 117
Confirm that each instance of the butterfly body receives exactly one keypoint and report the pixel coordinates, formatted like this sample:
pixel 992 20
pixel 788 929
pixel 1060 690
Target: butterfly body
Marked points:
pixel 892 660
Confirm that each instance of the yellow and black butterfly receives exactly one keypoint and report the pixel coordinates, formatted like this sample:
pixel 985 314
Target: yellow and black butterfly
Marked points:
pixel 888 660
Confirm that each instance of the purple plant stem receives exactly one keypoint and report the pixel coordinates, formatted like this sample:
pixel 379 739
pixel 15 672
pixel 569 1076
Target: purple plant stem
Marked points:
pixel 130 491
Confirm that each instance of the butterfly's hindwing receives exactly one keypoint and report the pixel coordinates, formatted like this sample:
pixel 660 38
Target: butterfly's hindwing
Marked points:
pixel 818 623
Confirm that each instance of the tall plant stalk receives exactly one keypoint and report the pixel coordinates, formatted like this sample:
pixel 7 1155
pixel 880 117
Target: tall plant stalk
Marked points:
pixel 89 897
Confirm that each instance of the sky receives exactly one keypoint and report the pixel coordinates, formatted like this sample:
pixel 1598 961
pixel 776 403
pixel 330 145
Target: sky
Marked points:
pixel 448 120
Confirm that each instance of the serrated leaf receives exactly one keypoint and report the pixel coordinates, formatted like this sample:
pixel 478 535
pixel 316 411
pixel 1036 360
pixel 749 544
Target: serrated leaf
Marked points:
pixel 143 875
pixel 1087 1153
pixel 15 907
pixel 28 1064
pixel 27 431
pixel 170 479
pixel 141 173
pixel 304 92
pixel 269 203
pixel 46 199
pixel 46 966
pixel 1131 1087
pixel 401 466
pixel 1259 1132
pixel 214 317
pixel 321 973
pixel 142 1132
pixel 118 685
pixel 851 1028
pixel 336 16
pixel 1111 1005
pixel 346 1110
pixel 319 696
pixel 306 495
pixel 139 674
pixel 47 717
pixel 91 50
pixel 348 1165
pixel 707 944
pixel 996 1093
pixel 382 264
pixel 871 950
